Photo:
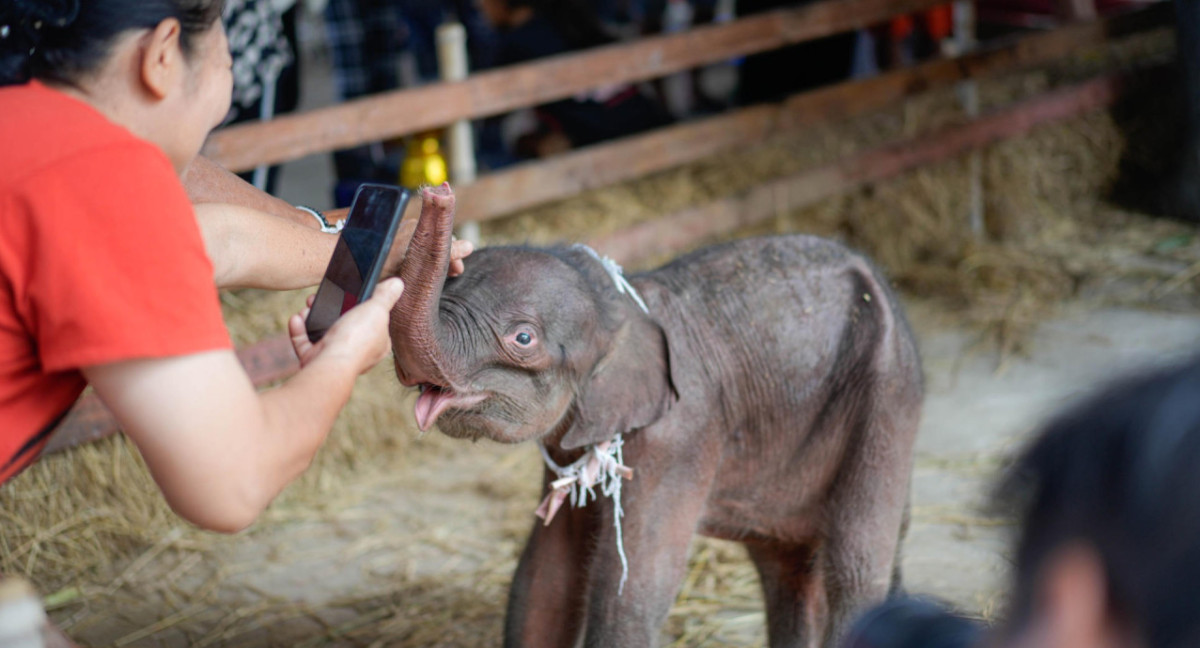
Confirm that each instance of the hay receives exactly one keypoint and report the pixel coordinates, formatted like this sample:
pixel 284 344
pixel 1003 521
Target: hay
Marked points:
pixel 720 602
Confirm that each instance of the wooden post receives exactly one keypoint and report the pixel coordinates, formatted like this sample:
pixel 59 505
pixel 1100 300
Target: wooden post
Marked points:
pixel 968 92
pixel 452 63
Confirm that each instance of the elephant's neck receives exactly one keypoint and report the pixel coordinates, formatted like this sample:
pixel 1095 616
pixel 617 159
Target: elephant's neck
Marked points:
pixel 552 442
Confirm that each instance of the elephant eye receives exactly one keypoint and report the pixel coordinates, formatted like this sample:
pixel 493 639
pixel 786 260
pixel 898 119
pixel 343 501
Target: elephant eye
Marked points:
pixel 524 339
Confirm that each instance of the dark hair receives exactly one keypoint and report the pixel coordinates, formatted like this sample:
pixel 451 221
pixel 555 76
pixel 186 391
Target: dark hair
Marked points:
pixel 1120 473
pixel 60 40
pixel 913 622
pixel 575 20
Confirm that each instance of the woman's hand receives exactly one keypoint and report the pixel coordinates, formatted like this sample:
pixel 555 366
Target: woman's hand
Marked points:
pixel 360 335
pixel 459 250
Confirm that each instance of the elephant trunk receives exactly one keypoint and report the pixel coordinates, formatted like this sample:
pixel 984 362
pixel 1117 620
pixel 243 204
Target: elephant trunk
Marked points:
pixel 414 325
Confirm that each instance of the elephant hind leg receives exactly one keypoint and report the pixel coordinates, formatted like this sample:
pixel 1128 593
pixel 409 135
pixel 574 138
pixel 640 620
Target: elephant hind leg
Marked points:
pixel 793 586
pixel 867 513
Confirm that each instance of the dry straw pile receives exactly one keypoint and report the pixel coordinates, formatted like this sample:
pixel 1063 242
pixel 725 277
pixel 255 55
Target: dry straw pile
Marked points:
pixel 89 528
pixel 1050 235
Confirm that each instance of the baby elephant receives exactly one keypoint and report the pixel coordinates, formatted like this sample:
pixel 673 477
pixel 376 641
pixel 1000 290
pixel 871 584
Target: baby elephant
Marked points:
pixel 766 391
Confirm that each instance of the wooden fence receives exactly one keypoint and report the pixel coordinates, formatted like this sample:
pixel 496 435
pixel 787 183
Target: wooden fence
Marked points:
pixel 408 111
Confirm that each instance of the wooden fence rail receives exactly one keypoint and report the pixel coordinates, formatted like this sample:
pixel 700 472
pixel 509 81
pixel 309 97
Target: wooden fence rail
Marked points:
pixel 533 183
pixel 402 112
pixel 677 232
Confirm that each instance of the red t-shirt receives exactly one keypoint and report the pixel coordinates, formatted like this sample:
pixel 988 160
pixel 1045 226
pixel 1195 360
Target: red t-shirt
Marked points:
pixel 101 260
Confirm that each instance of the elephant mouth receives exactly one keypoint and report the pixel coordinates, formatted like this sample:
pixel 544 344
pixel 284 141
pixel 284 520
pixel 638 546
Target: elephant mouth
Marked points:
pixel 435 399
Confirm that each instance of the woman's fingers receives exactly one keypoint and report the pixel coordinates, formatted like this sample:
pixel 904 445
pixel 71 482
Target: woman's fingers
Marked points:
pixel 369 327
pixel 459 250
pixel 388 292
pixel 299 335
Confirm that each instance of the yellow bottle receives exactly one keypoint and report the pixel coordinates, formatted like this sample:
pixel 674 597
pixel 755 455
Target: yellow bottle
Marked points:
pixel 423 162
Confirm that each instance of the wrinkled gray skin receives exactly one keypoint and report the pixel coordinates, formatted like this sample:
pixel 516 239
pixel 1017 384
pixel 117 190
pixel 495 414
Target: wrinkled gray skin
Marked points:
pixel 771 396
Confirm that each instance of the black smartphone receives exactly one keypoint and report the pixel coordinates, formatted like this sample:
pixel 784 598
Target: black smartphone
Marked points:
pixel 358 259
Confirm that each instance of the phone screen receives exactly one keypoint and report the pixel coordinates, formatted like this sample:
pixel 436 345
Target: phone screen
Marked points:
pixel 358 258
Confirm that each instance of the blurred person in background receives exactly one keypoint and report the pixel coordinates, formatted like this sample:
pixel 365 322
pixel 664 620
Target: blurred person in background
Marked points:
pixel 532 29
pixel 366 40
pixel 266 68
pixel 774 75
pixel 905 622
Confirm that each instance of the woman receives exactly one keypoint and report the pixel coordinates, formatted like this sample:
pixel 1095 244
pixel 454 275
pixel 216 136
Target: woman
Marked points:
pixel 104 277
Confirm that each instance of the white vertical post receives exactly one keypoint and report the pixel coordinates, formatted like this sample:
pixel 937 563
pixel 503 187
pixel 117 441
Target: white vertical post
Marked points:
pixel 22 617
pixel 677 88
pixel 1077 10
pixel 968 94
pixel 452 65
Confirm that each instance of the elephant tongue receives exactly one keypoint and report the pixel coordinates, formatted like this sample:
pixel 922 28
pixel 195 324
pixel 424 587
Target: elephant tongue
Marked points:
pixel 431 403
pixel 434 400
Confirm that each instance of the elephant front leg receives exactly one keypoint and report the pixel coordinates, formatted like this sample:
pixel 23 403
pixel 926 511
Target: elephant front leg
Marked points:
pixel 655 534
pixel 549 590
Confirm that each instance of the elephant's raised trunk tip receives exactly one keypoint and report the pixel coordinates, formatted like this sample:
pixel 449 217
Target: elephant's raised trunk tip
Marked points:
pixel 414 325
pixel 440 190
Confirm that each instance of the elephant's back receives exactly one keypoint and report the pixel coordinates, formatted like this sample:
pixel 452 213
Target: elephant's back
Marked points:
pixel 773 315
pixel 781 330
pixel 750 260
pixel 780 287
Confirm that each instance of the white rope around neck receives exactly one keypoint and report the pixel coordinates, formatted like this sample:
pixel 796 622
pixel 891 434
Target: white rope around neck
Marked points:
pixel 603 465
pixel 617 274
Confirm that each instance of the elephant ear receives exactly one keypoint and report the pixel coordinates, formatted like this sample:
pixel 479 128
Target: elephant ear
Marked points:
pixel 630 387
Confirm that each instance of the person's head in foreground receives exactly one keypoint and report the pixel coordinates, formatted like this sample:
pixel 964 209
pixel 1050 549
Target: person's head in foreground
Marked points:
pixel 1106 501
pixel 904 622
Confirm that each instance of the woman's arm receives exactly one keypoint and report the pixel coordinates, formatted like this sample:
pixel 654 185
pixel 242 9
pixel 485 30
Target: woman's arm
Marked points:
pixel 253 249
pixel 208 182
pixel 220 451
